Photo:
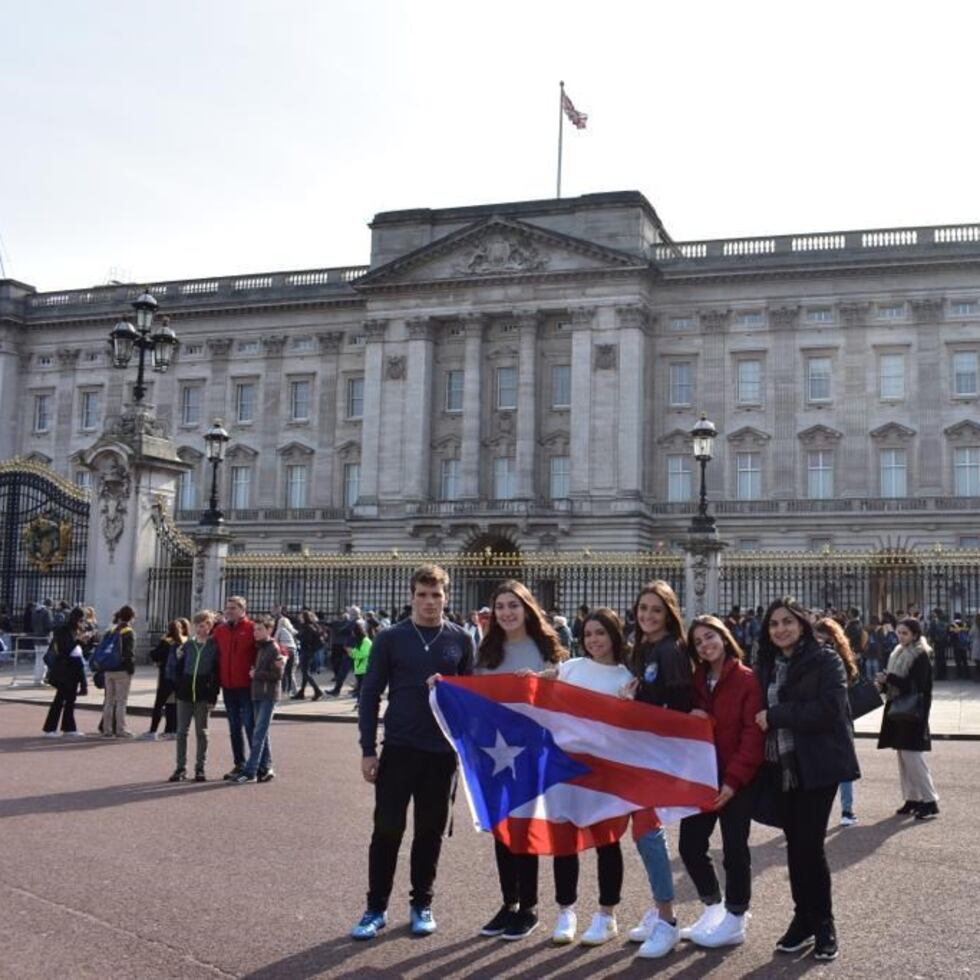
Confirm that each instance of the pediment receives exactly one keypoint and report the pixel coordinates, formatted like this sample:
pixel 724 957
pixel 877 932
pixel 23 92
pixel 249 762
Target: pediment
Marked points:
pixel 446 443
pixel 819 433
pixel 351 449
pixel 965 430
pixel 295 449
pixel 242 452
pixel 749 435
pixel 557 438
pixel 676 439
pixel 892 430
pixel 40 458
pixel 498 248
pixel 189 454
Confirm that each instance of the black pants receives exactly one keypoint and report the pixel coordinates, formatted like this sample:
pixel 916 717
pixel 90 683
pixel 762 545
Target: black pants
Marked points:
pixel 736 819
pixel 518 875
pixel 939 660
pixel 341 671
pixel 425 778
pixel 162 709
pixel 306 659
pixel 805 815
pixel 63 707
pixel 609 860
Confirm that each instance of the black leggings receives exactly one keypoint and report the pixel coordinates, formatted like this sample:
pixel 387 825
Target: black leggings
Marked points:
pixel 518 874
pixel 609 860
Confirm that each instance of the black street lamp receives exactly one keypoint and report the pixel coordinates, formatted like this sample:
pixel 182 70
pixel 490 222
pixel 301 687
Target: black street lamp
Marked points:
pixel 215 441
pixel 125 337
pixel 703 436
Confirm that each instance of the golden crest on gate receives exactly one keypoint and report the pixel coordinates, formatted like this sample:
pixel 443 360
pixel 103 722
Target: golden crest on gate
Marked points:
pixel 47 542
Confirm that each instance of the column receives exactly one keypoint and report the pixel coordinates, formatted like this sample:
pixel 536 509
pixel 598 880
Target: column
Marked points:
pixel 325 461
pixel 374 331
pixel 270 423
pixel 926 480
pixel 786 395
pixel 64 420
pixel 473 326
pixel 11 412
pixel 526 400
pixel 633 327
pixel 581 411
pixel 851 469
pixel 417 418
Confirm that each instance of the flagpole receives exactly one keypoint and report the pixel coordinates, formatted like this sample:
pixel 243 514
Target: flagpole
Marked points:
pixel 561 121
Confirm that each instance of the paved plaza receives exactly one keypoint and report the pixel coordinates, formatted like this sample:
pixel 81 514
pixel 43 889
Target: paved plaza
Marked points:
pixel 106 870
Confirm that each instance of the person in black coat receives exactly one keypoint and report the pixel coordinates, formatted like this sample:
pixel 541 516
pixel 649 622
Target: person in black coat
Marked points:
pixel 909 671
pixel 809 752
pixel 67 674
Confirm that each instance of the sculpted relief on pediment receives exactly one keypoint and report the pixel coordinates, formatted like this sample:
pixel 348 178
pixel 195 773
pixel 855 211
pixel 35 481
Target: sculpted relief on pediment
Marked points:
pixel 500 250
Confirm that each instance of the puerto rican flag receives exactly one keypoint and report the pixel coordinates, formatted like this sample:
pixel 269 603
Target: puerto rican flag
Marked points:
pixel 551 768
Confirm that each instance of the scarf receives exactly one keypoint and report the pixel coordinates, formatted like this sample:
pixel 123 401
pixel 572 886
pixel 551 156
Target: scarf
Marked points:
pixel 900 662
pixel 780 744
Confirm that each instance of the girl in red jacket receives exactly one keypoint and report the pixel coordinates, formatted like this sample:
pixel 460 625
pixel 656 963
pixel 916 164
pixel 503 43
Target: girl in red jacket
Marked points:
pixel 727 691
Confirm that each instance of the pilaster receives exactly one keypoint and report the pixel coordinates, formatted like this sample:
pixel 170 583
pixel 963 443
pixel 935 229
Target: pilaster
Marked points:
pixel 580 422
pixel 473 326
pixel 417 417
pixel 268 424
pixel 786 396
pixel 374 332
pixel 526 401
pixel 634 323
pixel 851 470
pixel 324 463
pixel 928 313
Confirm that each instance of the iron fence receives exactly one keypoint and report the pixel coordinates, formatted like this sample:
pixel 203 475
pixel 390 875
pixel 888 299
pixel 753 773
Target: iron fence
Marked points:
pixel 170 579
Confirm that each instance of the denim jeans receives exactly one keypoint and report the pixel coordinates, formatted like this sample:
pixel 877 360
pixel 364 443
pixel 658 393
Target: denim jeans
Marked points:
pixel 260 758
pixel 656 859
pixel 238 704
pixel 871 667
pixel 847 797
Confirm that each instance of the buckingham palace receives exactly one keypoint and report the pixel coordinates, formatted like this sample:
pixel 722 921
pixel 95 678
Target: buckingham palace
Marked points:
pixel 525 377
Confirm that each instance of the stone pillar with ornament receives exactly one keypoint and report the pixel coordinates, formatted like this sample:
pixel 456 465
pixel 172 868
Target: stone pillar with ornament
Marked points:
pixel 209 562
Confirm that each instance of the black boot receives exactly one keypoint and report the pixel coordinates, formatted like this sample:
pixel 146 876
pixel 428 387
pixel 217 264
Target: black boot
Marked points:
pixel 179 776
pixel 927 811
pixel 910 807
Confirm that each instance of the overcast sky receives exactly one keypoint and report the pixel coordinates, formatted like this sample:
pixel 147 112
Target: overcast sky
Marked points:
pixel 188 138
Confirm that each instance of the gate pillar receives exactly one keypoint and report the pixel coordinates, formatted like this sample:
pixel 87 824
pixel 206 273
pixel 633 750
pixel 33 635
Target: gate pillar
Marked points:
pixel 209 564
pixel 702 574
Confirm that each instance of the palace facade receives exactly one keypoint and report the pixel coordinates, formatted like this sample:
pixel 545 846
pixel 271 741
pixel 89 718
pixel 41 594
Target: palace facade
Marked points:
pixel 526 375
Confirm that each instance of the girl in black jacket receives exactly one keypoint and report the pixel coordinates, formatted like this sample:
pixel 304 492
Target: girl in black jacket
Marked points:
pixel 164 705
pixel 67 674
pixel 809 752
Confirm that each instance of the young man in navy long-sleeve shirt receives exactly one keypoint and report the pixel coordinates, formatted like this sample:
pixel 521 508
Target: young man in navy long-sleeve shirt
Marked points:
pixel 417 763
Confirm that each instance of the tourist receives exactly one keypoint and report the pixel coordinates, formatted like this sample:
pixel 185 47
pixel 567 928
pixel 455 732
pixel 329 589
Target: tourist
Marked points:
pixel 285 634
pixel 361 655
pixel 729 693
pixel 518 639
pixel 975 647
pixel 67 675
pixel 909 676
pixel 235 640
pixel 193 670
pixel 163 703
pixel 564 633
pixel 417 762
pixel 310 641
pixel 266 677
pixel 42 623
pixel 665 678
pixel 118 680
pixel 809 752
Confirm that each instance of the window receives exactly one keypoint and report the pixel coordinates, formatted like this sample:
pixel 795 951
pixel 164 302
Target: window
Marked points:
pixel 894 481
pixel 823 315
pixel 679 484
pixel 44 360
pixel 965 373
pixel 964 308
pixel 355 398
pixel 820 475
pixel 681 388
pixel 561 386
pixel 296 480
pixel 92 356
pixel 89 410
pixel 891 376
pixel 454 391
pixel 190 404
pixel 241 486
pixel 187 491
pixel 506 387
pixel 248 347
pixel 754 319
pixel 449 480
pixel 245 401
pixel 42 413
pixel 83 479
pixel 560 482
pixel 303 344
pixel 748 476
pixel 299 400
pixel 750 382
pixel 893 311
pixel 352 483
pixel 818 379
pixel 192 349
pixel 971 541
pixel 966 471
pixel 503 478
pixel 678 324
pixel 748 544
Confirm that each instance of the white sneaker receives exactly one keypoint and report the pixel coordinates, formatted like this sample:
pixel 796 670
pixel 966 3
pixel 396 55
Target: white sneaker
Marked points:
pixel 729 932
pixel 662 940
pixel 565 927
pixel 602 929
pixel 51 734
pixel 149 737
pixel 848 820
pixel 641 933
pixel 710 917
pixel 76 734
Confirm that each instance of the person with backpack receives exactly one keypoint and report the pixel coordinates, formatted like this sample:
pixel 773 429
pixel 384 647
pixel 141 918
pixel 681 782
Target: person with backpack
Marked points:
pixel 115 657
pixel 66 671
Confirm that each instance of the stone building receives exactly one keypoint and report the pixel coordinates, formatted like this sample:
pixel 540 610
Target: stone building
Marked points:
pixel 525 375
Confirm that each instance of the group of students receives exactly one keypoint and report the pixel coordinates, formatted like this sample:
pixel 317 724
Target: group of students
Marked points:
pixel 783 738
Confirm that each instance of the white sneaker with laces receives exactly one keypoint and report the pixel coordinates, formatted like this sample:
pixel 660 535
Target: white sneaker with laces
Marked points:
pixel 729 932
pixel 710 917
pixel 76 734
pixel 565 927
pixel 848 820
pixel 641 933
pixel 51 735
pixel 602 929
pixel 662 940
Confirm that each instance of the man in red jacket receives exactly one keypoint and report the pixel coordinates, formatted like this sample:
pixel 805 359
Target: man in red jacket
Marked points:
pixel 235 640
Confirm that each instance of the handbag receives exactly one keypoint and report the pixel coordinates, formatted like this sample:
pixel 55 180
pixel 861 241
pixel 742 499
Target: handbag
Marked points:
pixel 907 708
pixel 864 697
pixel 767 795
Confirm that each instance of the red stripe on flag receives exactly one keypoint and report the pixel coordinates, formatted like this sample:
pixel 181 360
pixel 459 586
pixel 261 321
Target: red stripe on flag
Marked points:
pixel 532 835
pixel 644 787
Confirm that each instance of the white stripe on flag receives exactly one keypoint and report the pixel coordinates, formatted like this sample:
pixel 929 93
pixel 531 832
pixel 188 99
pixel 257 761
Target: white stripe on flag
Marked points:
pixel 564 802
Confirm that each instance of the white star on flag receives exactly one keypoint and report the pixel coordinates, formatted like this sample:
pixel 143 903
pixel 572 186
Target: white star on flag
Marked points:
pixel 503 755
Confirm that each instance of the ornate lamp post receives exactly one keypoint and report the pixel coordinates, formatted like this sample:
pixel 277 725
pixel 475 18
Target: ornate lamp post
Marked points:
pixel 703 435
pixel 216 442
pixel 125 338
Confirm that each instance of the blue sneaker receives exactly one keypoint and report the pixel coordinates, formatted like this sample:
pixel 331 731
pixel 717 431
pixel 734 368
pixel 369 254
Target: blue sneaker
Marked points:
pixel 423 923
pixel 369 926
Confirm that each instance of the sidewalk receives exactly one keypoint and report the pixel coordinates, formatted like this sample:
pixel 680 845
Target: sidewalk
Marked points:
pixel 955 704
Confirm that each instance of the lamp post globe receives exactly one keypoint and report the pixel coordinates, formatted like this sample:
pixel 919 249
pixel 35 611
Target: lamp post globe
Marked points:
pixel 703 443
pixel 215 443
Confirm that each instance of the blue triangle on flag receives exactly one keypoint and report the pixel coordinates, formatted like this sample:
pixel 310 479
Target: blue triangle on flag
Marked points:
pixel 507 758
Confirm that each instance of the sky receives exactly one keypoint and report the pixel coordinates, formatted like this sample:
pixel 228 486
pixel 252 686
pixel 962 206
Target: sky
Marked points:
pixel 148 141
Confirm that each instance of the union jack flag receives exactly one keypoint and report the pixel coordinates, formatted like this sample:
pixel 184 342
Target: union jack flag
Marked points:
pixel 576 118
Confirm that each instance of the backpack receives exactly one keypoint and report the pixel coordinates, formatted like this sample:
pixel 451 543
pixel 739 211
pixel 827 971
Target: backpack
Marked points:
pixel 108 654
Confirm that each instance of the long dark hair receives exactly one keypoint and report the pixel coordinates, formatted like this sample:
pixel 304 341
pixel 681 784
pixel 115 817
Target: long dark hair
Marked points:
pixel 732 649
pixel 491 652
pixel 675 621
pixel 767 649
pixel 610 622
pixel 840 643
